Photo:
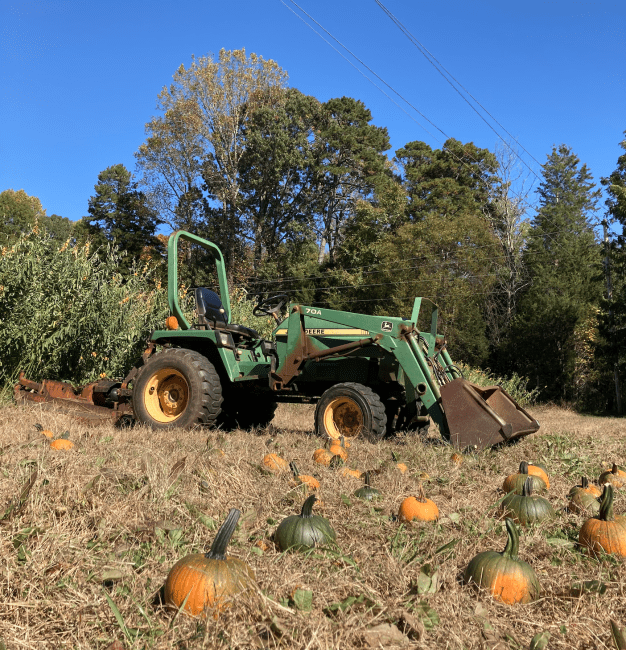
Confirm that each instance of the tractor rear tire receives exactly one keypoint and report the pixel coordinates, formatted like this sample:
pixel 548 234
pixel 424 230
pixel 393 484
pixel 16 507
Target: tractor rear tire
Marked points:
pixel 177 388
pixel 349 410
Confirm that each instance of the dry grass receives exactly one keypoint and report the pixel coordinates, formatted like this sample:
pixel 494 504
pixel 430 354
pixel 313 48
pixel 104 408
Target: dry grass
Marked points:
pixel 84 560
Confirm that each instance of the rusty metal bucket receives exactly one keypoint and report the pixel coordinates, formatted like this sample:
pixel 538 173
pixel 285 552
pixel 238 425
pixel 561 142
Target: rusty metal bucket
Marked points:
pixel 481 417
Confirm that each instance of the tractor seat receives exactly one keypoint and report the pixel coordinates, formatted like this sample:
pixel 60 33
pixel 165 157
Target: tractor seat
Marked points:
pixel 211 312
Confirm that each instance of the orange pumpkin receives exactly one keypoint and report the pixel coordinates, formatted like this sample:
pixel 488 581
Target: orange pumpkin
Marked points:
pixel 615 476
pixel 418 508
pixel 208 580
pixel 171 323
pixel 337 448
pixel 354 473
pixel 275 464
pixel 45 432
pixel 310 482
pixel 61 444
pixel 604 533
pixel 537 470
pixel 322 456
pixel 401 467
pixel 457 459
pixel 515 482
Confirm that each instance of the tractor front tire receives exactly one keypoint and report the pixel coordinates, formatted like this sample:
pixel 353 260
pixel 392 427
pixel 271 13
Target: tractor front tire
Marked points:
pixel 177 388
pixel 349 410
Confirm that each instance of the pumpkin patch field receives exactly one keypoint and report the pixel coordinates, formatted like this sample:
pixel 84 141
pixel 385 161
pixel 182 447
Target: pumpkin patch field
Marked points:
pixel 90 532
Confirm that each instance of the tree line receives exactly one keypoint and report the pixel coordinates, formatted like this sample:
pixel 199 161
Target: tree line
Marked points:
pixel 305 198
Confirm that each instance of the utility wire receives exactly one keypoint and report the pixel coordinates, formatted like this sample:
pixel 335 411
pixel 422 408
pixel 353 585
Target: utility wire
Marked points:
pixel 439 67
pixel 406 101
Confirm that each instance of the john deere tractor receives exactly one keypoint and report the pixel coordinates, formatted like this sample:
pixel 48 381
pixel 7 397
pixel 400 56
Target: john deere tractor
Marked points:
pixel 369 376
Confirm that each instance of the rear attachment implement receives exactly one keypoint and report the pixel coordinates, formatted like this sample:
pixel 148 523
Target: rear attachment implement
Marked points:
pixel 93 403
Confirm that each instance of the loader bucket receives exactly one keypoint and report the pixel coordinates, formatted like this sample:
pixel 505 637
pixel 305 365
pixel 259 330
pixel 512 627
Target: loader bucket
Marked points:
pixel 480 416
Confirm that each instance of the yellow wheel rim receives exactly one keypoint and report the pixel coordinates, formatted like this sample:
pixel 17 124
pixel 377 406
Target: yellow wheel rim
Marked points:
pixel 166 395
pixel 343 417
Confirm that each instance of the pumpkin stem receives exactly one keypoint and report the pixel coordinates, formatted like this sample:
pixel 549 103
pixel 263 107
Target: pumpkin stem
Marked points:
pixel 342 441
pixel 614 469
pixel 512 544
pixel 523 467
pixel 527 488
pixel 420 494
pixel 367 479
pixel 606 505
pixel 584 482
pixel 294 469
pixel 218 548
pixel 307 506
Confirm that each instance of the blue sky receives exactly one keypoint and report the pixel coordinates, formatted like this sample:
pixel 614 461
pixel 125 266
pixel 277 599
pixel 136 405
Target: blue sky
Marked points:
pixel 80 79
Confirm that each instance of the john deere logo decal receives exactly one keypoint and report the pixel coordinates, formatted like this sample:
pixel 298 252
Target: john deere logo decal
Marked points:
pixel 386 326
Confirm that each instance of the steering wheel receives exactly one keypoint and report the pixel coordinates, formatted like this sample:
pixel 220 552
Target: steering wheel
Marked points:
pixel 271 306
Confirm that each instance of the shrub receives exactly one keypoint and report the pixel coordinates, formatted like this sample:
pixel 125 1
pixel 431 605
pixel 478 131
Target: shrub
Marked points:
pixel 515 386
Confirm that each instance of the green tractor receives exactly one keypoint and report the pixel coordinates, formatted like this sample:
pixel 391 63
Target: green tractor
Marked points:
pixel 369 376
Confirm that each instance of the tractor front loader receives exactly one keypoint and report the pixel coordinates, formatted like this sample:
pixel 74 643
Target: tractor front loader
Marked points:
pixel 368 375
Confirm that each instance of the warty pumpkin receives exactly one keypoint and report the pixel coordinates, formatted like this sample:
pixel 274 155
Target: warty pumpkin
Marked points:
pixel 304 531
pixel 337 448
pixel 615 476
pixel 208 580
pixel 275 464
pixel 418 508
pixel 508 579
pixel 515 482
pixel 367 492
pixel 527 508
pixel 310 482
pixel 605 533
pixel 353 473
pixel 322 456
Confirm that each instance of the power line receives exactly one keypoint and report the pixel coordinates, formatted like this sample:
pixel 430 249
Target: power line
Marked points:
pixel 439 67
pixel 406 101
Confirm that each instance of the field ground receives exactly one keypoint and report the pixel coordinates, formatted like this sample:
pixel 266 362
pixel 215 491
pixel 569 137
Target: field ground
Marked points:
pixel 84 559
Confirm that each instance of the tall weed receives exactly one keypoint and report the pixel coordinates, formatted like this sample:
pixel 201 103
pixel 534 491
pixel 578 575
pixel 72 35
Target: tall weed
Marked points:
pixel 66 314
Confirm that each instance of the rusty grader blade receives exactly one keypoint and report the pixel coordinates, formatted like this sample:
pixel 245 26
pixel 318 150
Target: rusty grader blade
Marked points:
pixel 480 416
pixel 90 403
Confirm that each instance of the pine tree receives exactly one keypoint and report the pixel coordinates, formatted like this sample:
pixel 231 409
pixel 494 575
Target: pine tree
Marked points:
pixel 121 215
pixel 551 331
pixel 612 350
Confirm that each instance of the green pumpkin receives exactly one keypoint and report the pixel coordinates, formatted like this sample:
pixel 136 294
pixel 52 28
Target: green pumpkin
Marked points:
pixel 367 492
pixel 585 487
pixel 583 502
pixel 304 531
pixel 527 508
pixel 507 578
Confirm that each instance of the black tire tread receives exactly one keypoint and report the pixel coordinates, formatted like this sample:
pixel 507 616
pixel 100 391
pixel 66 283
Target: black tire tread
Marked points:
pixel 376 406
pixel 211 391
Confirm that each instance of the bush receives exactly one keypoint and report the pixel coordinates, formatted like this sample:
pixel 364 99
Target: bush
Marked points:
pixel 67 314
pixel 515 386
